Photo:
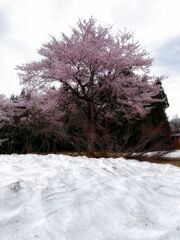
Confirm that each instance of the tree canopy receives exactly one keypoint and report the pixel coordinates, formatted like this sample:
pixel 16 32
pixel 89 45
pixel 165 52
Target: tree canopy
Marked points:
pixel 98 76
pixel 85 92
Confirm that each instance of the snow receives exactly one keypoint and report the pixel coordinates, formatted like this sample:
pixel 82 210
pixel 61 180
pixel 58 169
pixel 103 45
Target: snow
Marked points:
pixel 57 197
pixel 174 154
pixel 171 154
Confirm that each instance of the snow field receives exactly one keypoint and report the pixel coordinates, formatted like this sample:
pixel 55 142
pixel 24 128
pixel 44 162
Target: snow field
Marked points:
pixel 57 197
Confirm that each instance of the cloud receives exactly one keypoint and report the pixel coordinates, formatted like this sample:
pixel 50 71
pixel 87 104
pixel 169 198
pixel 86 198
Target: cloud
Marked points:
pixel 168 55
pixel 4 23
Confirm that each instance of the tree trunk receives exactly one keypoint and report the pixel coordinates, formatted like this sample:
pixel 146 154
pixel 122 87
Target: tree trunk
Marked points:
pixel 91 131
pixel 91 139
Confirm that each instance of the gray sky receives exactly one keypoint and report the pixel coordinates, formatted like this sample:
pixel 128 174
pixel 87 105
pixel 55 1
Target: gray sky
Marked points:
pixel 26 24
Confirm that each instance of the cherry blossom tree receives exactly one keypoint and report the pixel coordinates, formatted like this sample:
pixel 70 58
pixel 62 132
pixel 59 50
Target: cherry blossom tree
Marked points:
pixel 98 74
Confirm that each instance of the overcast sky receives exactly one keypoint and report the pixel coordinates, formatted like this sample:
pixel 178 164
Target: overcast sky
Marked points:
pixel 26 24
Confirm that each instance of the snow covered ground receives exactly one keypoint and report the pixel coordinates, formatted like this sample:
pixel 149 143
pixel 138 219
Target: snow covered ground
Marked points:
pixel 57 197
pixel 174 154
